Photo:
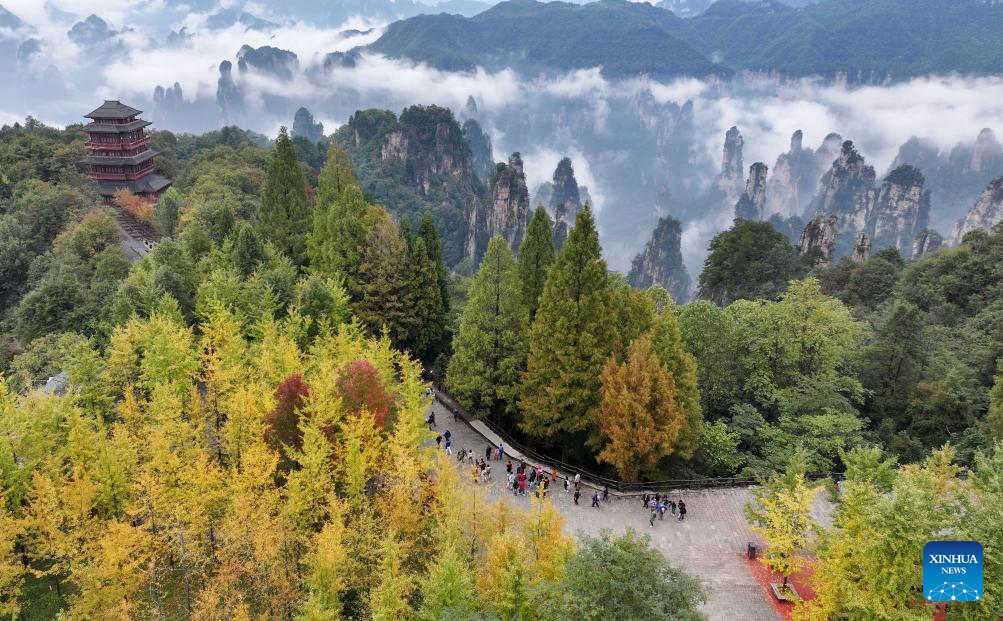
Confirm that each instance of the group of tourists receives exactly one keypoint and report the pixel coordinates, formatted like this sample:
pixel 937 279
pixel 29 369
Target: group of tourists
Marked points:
pixel 658 505
pixel 525 477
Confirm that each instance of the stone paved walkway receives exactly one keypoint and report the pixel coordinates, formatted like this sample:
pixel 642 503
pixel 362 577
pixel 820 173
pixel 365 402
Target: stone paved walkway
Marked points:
pixel 708 545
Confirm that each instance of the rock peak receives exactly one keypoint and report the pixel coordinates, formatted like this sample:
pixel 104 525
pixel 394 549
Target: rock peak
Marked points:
pixel 661 262
pixel 731 181
pixel 797 140
pixel 752 204
pixel 985 214
pixel 565 200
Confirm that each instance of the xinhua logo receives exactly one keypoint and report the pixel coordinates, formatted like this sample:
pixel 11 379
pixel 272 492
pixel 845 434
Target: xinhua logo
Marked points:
pixel 952 571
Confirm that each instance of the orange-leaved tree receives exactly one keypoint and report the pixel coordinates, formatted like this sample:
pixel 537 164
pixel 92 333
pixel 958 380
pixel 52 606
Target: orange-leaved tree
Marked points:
pixel 640 418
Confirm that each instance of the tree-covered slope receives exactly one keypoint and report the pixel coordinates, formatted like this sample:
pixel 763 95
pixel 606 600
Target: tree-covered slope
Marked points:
pixel 869 41
pixel 621 37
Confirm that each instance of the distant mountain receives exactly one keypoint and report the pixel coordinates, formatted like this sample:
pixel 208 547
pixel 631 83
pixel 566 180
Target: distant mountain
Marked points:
pixel 228 17
pixel 692 8
pixel 623 38
pixel 859 42
pixel 460 7
pixel 9 20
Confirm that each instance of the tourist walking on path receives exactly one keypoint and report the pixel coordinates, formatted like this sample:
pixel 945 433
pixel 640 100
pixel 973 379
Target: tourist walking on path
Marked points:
pixel 605 494
pixel 449 445
pixel 487 454
pixel 651 518
pixel 565 485
pixel 644 501
pixel 431 421
pixel 438 441
pixel 577 496
pixel 501 451
pixel 682 510
pixel 595 500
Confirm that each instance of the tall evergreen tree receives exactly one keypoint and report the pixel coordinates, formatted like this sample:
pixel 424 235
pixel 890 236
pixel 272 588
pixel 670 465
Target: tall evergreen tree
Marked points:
pixel 336 175
pixel 682 366
pixel 570 341
pixel 339 236
pixel 284 213
pixel 536 254
pixel 381 278
pixel 892 365
pixel 433 246
pixel 248 251
pixel 426 318
pixel 490 350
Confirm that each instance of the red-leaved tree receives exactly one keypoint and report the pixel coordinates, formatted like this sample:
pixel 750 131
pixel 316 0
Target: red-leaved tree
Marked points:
pixel 282 423
pixel 361 388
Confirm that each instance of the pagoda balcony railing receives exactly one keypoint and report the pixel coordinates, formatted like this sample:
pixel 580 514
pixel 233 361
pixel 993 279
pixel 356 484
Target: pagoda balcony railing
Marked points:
pixel 103 176
pixel 117 146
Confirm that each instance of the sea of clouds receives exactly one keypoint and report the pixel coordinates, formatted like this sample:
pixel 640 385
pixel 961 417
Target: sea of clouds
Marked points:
pixel 943 109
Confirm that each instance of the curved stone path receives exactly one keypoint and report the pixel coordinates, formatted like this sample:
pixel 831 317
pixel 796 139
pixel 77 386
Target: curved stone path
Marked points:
pixel 709 544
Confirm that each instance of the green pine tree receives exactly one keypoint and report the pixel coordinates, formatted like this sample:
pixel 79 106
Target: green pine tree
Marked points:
pixel 248 251
pixel 339 237
pixel 425 317
pixel 668 345
pixel 336 175
pixel 284 215
pixel 381 301
pixel 490 350
pixel 570 341
pixel 428 232
pixel 536 254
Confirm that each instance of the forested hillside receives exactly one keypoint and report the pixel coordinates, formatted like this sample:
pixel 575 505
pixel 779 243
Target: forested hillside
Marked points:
pixel 864 42
pixel 236 429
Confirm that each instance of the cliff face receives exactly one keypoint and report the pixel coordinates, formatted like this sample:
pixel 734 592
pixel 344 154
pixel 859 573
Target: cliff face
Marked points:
pixel 794 180
pixel 268 60
pixel 901 210
pixel 565 201
pixel 955 177
pixel 419 163
pixel 480 148
pixel 828 151
pixel 228 96
pixel 844 184
pixel 304 125
pixel 661 262
pixel 890 215
pixel 429 146
pixel 987 155
pixel 507 213
pixel 730 182
pixel 752 204
pixel 819 236
pixel 985 214
pixel 926 241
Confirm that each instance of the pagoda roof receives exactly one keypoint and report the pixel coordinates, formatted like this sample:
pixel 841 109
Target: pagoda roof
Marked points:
pixel 100 128
pixel 150 184
pixel 132 160
pixel 113 109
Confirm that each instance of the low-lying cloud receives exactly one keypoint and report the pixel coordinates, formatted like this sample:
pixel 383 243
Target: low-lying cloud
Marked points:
pixel 599 123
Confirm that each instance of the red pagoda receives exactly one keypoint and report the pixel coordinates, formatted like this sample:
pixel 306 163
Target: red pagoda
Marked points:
pixel 118 155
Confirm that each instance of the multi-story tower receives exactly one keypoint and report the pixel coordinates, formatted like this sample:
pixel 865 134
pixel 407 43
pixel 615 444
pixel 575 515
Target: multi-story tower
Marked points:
pixel 118 155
